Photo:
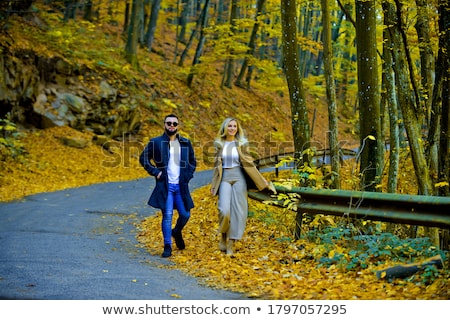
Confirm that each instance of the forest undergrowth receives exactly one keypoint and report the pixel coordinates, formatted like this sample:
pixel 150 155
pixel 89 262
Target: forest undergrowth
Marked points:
pixel 331 261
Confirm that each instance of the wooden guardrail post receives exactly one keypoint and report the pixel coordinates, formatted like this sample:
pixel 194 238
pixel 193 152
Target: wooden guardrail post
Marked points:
pixel 298 224
pixel 277 159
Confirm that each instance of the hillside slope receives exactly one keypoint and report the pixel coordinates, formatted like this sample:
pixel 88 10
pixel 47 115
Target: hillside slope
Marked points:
pixel 159 87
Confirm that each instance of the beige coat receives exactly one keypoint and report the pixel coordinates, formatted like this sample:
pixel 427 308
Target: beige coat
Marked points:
pixel 246 163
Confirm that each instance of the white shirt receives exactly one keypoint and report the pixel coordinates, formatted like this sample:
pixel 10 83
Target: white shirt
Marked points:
pixel 230 155
pixel 173 169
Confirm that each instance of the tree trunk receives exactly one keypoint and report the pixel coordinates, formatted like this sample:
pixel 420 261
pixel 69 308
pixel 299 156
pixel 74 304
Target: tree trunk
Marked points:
pixel 331 96
pixel 229 65
pixel 194 32
pixel 182 20
pixel 251 46
pixel 444 53
pixel 426 71
pixel 406 102
pixel 70 9
pixel 407 270
pixel 315 62
pixel 133 34
pixel 304 22
pixel 88 11
pixel 348 100
pixel 371 161
pixel 220 12
pixel 391 99
pixel 299 113
pixel 443 162
pixel 426 54
pixel 433 139
pixel 201 43
pixel 127 17
pixel 151 28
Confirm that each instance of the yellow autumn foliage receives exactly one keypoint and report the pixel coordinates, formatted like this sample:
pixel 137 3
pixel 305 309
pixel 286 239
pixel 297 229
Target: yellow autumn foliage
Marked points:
pixel 49 165
pixel 268 265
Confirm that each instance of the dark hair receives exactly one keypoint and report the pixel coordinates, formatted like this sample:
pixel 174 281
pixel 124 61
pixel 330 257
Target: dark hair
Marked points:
pixel 170 116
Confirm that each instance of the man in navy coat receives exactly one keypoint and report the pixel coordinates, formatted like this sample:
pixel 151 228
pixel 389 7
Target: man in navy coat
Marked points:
pixel 170 159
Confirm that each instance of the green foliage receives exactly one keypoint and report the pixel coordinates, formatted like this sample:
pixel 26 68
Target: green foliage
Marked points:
pixel 227 44
pixel 307 176
pixel 316 85
pixel 10 144
pixel 269 75
pixel 279 221
pixel 70 36
pixel 152 107
pixel 344 247
pixel 429 274
pixel 153 121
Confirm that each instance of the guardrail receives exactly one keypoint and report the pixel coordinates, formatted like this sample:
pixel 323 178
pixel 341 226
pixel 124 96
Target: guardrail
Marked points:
pixel 429 211
pixel 321 156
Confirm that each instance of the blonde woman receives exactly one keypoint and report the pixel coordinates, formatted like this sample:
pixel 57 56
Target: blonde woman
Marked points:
pixel 233 165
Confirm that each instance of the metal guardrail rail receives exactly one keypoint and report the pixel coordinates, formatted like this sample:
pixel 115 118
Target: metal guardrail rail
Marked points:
pixel 429 211
pixel 272 160
pixel 321 156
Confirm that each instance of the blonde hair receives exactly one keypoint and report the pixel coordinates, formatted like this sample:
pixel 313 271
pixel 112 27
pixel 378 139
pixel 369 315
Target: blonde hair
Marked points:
pixel 222 134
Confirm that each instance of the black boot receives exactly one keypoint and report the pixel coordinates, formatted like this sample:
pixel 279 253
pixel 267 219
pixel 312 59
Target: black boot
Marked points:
pixel 167 251
pixel 178 239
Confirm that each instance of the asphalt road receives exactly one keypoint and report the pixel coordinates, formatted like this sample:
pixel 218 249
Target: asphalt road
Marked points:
pixel 80 244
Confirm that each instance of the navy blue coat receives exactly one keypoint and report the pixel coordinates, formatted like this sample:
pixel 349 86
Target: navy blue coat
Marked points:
pixel 155 159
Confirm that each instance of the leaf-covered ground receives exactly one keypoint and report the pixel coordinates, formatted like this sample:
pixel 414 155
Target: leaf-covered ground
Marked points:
pixel 49 165
pixel 268 265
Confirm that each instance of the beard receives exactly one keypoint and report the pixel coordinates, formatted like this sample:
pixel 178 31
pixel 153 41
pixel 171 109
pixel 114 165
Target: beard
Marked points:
pixel 170 133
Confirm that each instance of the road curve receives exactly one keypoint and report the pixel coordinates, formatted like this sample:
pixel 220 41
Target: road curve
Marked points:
pixel 80 244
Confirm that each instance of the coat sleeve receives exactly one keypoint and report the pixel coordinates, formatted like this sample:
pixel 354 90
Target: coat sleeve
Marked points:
pixel 192 161
pixel 146 159
pixel 250 169
pixel 217 173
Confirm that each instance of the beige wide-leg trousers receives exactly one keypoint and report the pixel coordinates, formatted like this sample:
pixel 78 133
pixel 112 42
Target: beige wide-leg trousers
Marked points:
pixel 233 204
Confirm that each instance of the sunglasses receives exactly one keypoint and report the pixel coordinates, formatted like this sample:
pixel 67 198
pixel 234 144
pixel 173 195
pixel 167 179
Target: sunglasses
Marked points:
pixel 172 123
